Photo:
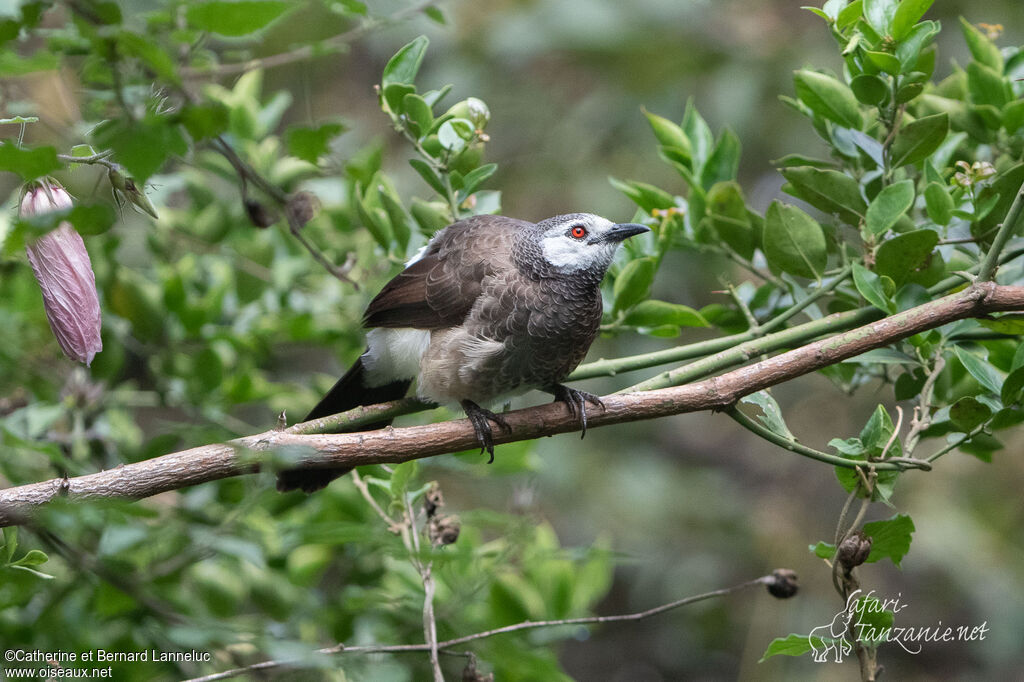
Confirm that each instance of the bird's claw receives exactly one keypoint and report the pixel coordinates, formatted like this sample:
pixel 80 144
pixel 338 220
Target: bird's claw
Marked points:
pixel 576 401
pixel 480 418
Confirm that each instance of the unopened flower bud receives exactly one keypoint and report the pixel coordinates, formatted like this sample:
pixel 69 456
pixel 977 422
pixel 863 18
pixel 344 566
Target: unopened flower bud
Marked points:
pixel 64 272
pixel 474 110
pixel 126 189
pixel 854 550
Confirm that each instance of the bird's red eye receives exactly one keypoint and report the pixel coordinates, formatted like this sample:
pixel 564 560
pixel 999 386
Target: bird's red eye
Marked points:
pixel 577 232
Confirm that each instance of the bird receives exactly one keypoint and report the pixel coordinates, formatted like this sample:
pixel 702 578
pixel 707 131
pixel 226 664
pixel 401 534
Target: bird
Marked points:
pixel 490 308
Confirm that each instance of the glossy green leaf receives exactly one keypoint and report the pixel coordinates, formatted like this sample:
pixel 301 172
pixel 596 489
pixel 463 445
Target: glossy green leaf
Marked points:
pixel 900 256
pixel 908 13
pixel 981 370
pixel 648 197
pixel 870 89
pixel 142 147
pixel 771 414
pixel 234 18
pixel 880 14
pixel 403 67
pixel 429 175
pixel 987 86
pixel 419 113
pixel 477 176
pixel 728 215
pixel 890 539
pixel 886 208
pixel 883 61
pixel 828 191
pixel 1013 387
pixel 793 241
pixel 1013 116
pixel 668 133
pixel 149 53
pixel 633 282
pixel 918 139
pixel 724 161
pixel 870 287
pixel 828 97
pixel 653 313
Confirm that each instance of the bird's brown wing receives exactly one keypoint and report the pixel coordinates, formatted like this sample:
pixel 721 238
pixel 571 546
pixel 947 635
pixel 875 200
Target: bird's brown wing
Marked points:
pixel 439 289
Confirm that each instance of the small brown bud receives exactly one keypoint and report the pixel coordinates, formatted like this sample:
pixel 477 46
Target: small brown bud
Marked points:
pixel 782 584
pixel 301 208
pixel 259 214
pixel 854 550
pixel 62 267
pixel 471 674
pixel 433 500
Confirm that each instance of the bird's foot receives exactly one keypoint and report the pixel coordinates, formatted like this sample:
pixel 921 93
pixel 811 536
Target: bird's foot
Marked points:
pixel 576 401
pixel 481 418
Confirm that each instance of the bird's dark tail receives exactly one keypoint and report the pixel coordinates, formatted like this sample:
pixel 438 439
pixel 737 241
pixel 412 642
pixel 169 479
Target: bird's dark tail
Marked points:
pixel 350 391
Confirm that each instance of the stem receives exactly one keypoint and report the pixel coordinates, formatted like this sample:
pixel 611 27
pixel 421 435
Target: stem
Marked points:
pixel 793 446
pixel 1009 226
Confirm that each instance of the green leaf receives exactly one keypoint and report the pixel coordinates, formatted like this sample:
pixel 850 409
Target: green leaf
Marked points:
pixel 653 313
pixel 987 86
pixel 633 283
pixel 203 121
pixel 403 67
pixel 870 89
pixel 1013 116
pixel 828 191
pixel 729 218
pixel 13 65
pixel 419 113
pixel 907 14
pixel 890 539
pixel 142 147
pixel 904 254
pixel 823 550
pixel 793 241
pixel 668 133
pixel 724 162
pixel 396 214
pixel 870 287
pixel 849 14
pixel 428 216
pixel 1006 324
pixel 647 197
pixel 477 176
pixel 968 413
pixel 309 144
pixel 34 557
pixel 402 474
pixel 28 163
pixel 886 208
pixel 10 543
pixel 828 97
pixel 880 15
pixel 938 203
pixel 429 175
pixel 699 135
pixel 982 48
pixel 1012 387
pixel 980 369
pixel 771 415
pixel 883 61
pixel 917 140
pixel 792 645
pixel 877 433
pixel 237 18
pixel 149 53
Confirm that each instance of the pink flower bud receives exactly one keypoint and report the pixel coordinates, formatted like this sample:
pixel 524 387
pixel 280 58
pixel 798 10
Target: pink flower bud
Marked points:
pixel 64 272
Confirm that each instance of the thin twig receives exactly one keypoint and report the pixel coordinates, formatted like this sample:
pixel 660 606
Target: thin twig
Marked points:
pixel 525 625
pixel 360 484
pixel 1006 230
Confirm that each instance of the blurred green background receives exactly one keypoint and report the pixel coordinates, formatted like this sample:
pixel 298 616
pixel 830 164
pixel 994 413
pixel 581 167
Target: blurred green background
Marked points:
pixel 691 503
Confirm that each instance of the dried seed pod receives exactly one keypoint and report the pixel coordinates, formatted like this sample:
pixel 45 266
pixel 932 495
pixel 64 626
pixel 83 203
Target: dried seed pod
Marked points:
pixel 782 584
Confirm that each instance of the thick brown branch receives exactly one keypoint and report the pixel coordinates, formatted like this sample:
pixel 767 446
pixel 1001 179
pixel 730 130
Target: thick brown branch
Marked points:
pixel 213 462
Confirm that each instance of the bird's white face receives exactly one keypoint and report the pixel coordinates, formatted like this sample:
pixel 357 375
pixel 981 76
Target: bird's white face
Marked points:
pixel 583 241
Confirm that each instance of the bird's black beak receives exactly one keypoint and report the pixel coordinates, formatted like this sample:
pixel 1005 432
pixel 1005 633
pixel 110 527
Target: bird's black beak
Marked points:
pixel 624 231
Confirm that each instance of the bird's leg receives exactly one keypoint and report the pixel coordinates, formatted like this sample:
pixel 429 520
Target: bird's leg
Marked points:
pixel 576 401
pixel 481 418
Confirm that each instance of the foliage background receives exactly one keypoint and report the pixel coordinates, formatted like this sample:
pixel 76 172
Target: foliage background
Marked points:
pixel 213 327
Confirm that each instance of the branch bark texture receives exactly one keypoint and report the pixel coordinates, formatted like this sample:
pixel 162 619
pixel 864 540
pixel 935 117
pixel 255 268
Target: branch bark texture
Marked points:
pixel 391 445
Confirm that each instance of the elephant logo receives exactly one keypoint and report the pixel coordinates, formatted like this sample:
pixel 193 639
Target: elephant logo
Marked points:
pixel 832 637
